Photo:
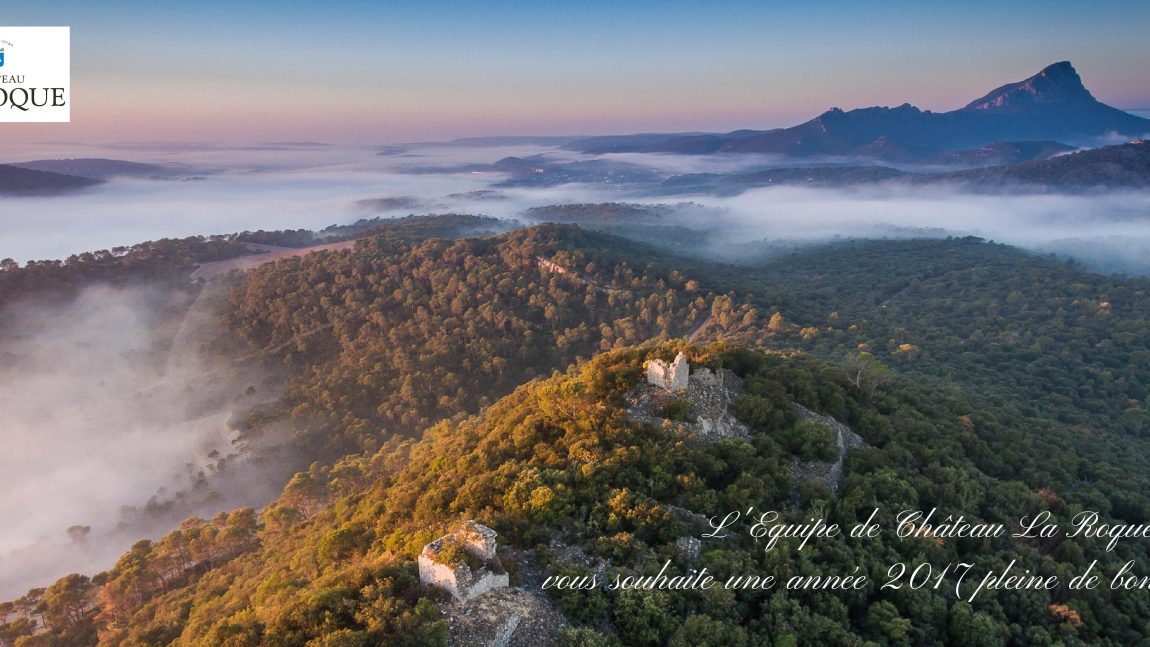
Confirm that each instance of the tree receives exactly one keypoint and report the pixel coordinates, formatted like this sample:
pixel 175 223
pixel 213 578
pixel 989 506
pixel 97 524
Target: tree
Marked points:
pixel 970 628
pixel 79 534
pixel 644 618
pixel 67 601
pixel 776 324
pixel 865 373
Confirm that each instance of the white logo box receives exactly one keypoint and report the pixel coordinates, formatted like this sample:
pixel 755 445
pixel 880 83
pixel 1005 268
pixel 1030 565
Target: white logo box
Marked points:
pixel 36 74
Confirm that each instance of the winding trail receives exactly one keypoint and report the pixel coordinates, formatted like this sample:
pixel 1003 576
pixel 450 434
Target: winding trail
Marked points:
pixel 266 254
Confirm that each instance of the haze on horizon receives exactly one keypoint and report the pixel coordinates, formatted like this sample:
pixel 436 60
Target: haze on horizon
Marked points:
pixel 361 72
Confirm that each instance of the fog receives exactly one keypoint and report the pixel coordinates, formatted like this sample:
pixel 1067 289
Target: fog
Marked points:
pixel 104 401
pixel 311 185
pixel 1109 232
pixel 100 411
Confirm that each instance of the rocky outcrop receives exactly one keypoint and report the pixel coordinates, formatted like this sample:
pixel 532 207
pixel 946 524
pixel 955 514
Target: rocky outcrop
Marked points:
pixel 519 616
pixel 553 267
pixel 703 409
pixel 508 617
pixel 829 474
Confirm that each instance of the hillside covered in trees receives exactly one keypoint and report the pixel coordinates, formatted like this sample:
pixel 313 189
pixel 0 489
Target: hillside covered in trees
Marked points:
pixel 421 380
pixel 396 334
pixel 558 462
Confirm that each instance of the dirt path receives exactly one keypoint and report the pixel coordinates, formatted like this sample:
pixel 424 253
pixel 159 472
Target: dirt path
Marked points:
pixel 698 332
pixel 267 254
pixel 552 266
pixel 278 347
pixel 197 316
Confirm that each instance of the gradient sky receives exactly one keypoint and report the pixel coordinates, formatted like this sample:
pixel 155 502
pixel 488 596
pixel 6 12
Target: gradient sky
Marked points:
pixel 379 71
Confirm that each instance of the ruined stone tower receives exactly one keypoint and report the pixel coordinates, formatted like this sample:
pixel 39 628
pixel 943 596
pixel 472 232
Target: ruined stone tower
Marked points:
pixel 672 377
pixel 439 564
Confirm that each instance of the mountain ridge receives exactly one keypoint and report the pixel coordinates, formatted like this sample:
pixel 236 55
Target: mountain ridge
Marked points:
pixel 1123 166
pixel 1051 105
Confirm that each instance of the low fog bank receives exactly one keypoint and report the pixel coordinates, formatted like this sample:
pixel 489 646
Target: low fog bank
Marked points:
pixel 113 428
pixel 1115 224
pixel 1108 232
pixel 312 185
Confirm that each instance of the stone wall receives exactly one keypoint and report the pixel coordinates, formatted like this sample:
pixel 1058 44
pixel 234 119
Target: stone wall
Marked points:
pixel 444 576
pixel 672 377
pixel 460 580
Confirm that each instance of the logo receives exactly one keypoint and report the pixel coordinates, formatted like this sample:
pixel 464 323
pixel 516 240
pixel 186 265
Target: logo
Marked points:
pixel 35 86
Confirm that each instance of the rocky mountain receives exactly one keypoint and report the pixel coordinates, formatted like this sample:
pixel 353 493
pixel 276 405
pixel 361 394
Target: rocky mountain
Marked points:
pixel 1052 105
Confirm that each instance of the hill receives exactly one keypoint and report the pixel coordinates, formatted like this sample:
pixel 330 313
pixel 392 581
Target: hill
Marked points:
pixel 18 181
pixel 575 487
pixel 1003 153
pixel 1111 167
pixel 102 169
pixel 395 334
pixel 987 382
pixel 1124 166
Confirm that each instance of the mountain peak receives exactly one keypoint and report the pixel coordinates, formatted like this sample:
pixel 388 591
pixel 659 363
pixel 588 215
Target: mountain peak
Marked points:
pixel 1058 83
pixel 1051 106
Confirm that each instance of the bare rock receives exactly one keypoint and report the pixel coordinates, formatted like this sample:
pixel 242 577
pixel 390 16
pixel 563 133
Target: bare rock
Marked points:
pixel 830 474
pixel 508 617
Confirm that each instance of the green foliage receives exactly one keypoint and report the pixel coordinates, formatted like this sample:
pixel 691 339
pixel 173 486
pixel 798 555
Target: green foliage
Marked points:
pixel 400 333
pixel 810 440
pixel 677 409
pixel 1025 392
pixel 585 637
pixel 166 260
pixel 701 630
pixel 587 606
pixel 644 618
pixel 343 544
pixel 554 460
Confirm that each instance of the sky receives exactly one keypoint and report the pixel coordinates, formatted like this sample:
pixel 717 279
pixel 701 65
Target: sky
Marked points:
pixel 379 71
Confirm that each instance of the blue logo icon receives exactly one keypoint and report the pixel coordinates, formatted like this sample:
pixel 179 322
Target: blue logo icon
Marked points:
pixel 1 57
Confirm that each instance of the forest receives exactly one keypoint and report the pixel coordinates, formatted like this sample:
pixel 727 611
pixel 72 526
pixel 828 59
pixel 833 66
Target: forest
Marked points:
pixel 435 379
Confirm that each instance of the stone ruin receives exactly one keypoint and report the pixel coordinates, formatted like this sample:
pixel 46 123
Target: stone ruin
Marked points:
pixel 670 377
pixel 463 563
pixel 708 394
